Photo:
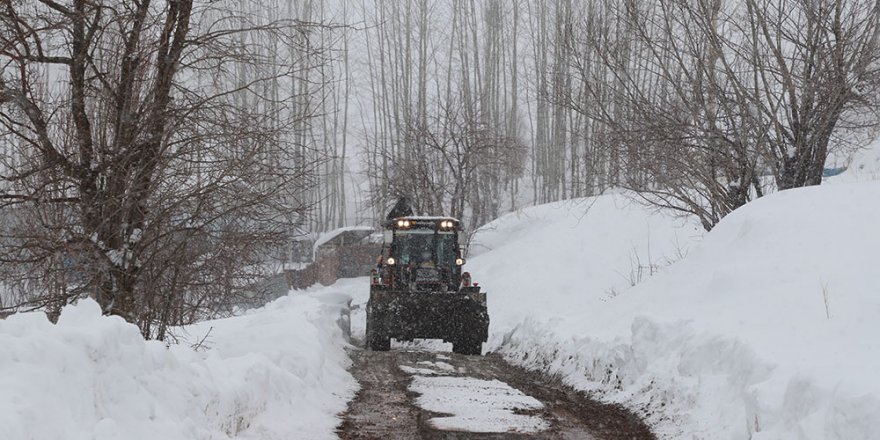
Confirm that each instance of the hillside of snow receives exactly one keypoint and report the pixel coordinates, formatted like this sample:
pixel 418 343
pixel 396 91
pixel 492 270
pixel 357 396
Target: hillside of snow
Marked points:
pixel 278 372
pixel 764 330
pixel 556 260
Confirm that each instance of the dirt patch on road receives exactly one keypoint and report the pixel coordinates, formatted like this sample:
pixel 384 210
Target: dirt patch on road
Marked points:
pixel 383 408
pixel 386 409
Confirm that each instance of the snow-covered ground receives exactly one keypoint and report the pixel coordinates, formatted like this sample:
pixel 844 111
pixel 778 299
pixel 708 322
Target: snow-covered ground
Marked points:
pixel 275 373
pixel 765 329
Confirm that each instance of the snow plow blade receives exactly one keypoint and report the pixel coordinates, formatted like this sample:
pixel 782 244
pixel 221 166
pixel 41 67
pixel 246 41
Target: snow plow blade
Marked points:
pixel 457 317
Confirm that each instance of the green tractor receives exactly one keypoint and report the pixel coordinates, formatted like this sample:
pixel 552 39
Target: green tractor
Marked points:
pixel 418 289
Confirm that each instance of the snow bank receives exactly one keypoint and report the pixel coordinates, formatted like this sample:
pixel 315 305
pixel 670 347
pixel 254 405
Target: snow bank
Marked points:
pixel 559 260
pixel 276 373
pixel 765 330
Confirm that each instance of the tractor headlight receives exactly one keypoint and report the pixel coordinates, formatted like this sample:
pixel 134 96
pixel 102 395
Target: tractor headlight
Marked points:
pixel 459 261
pixel 391 261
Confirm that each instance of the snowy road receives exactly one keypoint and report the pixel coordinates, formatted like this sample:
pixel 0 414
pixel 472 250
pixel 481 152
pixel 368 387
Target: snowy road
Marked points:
pixel 408 394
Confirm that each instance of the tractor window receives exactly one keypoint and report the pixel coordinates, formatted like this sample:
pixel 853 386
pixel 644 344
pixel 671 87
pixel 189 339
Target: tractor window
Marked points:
pixel 418 247
pixel 447 248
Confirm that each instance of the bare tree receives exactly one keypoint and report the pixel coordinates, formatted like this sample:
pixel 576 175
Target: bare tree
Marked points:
pixel 815 79
pixel 439 83
pixel 145 163
pixel 701 97
pixel 681 142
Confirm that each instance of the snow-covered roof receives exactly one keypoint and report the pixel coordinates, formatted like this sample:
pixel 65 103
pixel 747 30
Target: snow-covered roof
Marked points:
pixel 327 237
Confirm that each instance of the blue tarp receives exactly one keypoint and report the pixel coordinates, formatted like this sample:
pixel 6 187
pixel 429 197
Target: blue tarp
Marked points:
pixel 831 172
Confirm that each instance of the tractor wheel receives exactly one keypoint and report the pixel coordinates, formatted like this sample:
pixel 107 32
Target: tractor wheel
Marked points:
pixel 467 347
pixel 375 341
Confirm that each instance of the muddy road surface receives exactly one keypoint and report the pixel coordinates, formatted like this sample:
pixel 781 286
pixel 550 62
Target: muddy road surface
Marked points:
pixel 423 394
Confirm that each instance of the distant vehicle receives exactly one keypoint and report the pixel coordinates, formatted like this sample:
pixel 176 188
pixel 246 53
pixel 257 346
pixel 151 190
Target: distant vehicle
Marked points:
pixel 419 289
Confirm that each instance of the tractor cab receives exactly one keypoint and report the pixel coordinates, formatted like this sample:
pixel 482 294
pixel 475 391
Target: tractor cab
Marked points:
pixel 421 254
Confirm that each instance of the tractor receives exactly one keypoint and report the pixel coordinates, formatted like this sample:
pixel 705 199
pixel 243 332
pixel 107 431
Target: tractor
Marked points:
pixel 419 290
